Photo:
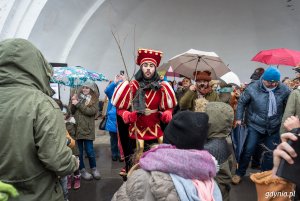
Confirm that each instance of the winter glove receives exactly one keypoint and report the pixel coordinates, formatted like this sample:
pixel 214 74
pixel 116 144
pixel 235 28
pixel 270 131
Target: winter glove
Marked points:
pixel 7 191
pixel 166 116
pixel 129 117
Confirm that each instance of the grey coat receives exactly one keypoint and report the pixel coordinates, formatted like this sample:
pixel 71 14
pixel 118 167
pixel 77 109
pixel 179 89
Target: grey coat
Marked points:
pixel 256 99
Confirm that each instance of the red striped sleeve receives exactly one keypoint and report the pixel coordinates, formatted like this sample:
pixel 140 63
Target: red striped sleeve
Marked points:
pixel 168 96
pixel 124 93
pixel 121 97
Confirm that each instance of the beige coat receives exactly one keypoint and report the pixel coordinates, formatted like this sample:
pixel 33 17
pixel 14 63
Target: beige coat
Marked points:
pixel 150 186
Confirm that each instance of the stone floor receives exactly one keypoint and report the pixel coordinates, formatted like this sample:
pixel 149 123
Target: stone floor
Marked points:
pixel 103 190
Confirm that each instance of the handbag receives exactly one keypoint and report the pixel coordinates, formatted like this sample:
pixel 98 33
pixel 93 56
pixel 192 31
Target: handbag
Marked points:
pixel 103 123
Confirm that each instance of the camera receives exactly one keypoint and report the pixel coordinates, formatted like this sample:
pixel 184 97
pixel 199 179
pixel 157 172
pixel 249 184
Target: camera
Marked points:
pixel 291 171
pixel 121 72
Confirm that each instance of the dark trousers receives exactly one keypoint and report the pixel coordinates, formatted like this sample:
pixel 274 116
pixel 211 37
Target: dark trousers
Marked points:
pixel 253 139
pixel 114 144
pixel 89 149
pixel 128 144
pixel 256 158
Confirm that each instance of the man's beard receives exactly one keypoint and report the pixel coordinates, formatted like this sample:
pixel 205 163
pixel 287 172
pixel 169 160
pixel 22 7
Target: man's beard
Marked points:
pixel 202 86
pixel 146 77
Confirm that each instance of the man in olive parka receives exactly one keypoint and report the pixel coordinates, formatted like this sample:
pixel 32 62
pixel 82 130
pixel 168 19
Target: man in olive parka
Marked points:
pixel 32 131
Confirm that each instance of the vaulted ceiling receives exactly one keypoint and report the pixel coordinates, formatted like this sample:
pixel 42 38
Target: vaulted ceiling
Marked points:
pixel 78 32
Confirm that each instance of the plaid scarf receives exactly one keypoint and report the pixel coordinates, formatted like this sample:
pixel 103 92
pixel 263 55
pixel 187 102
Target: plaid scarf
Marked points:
pixel 144 85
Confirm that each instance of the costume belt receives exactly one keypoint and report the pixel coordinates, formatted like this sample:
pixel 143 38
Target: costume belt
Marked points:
pixel 147 111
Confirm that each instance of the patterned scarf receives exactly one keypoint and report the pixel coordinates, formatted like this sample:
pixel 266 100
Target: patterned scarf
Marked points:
pixel 144 84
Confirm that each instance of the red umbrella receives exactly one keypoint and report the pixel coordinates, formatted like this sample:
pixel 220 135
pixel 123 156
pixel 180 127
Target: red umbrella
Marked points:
pixel 279 56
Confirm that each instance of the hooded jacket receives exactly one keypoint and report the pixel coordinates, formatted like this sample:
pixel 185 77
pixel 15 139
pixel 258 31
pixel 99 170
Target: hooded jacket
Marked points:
pixel 111 124
pixel 220 124
pixel 85 118
pixel 32 131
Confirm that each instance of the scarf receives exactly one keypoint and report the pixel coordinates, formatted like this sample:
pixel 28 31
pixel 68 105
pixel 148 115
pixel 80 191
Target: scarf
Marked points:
pixel 272 102
pixel 185 188
pixel 194 164
pixel 144 85
pixel 85 98
pixel 226 90
pixel 205 91
pixel 208 190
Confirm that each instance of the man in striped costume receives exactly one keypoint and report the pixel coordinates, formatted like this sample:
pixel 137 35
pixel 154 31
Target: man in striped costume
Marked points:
pixel 143 104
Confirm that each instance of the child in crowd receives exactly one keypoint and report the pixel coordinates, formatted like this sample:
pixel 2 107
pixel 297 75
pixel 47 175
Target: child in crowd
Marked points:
pixel 84 107
pixel 71 128
pixel 70 143
pixel 162 177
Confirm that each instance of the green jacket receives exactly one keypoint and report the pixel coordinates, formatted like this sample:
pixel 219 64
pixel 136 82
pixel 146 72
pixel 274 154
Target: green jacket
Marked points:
pixel 85 120
pixel 32 131
pixel 221 117
pixel 292 108
pixel 187 101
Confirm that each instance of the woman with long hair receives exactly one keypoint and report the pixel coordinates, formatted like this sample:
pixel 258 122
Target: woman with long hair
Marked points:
pixel 84 107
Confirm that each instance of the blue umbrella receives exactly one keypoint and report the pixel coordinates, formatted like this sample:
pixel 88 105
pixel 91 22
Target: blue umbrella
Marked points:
pixel 238 137
pixel 75 76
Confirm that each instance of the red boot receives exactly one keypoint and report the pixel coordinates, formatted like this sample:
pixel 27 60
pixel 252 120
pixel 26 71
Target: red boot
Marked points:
pixel 69 185
pixel 77 182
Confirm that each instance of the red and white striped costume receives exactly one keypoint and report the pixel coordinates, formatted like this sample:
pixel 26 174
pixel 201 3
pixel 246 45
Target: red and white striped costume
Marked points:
pixel 147 126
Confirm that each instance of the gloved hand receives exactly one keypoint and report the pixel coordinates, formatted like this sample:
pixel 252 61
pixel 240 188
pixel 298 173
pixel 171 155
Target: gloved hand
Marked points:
pixel 7 191
pixel 129 117
pixel 166 116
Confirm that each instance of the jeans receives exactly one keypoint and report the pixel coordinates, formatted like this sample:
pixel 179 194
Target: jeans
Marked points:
pixel 256 158
pixel 253 139
pixel 64 182
pixel 114 144
pixel 89 149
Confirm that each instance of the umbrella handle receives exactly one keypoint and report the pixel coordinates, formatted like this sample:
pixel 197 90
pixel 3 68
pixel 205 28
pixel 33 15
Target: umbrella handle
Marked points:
pixel 199 58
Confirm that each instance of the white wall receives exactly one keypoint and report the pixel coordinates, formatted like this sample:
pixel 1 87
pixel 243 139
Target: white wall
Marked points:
pixel 235 29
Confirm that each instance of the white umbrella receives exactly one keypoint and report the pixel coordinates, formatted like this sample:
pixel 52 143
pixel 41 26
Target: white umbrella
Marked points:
pixel 231 78
pixel 193 60
pixel 164 67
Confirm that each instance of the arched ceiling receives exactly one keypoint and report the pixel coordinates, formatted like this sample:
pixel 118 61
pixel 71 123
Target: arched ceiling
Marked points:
pixel 79 32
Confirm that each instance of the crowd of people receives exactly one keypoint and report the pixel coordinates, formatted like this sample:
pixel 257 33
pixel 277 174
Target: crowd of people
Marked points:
pixel 152 124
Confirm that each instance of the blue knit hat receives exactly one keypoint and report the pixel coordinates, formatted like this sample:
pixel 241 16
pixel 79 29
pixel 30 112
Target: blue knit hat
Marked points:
pixel 271 74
